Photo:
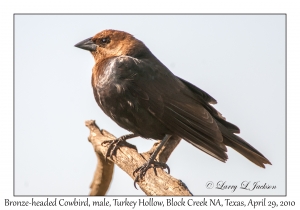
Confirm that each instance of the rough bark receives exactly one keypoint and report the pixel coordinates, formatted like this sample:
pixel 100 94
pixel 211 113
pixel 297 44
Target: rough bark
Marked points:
pixel 128 159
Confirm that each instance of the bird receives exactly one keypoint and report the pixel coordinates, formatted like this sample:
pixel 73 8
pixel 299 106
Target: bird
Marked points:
pixel 138 92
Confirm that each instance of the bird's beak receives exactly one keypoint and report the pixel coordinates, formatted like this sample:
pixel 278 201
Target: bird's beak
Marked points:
pixel 87 44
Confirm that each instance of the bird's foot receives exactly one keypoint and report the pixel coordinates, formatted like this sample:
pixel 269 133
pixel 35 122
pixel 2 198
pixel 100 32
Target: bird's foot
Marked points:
pixel 141 171
pixel 113 144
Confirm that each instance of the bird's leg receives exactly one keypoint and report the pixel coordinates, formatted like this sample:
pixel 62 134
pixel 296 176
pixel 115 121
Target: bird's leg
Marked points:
pixel 151 162
pixel 113 144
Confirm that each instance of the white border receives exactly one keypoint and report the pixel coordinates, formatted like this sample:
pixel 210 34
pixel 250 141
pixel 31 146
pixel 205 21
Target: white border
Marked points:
pixel 220 6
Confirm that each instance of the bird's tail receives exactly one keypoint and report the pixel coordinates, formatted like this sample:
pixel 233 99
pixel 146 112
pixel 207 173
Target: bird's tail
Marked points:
pixel 244 148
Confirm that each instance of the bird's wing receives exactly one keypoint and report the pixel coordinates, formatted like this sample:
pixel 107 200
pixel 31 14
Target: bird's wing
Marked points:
pixel 206 100
pixel 171 102
pixel 201 94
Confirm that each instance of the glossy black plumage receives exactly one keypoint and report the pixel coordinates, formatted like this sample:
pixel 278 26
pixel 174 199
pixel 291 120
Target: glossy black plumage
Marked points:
pixel 143 96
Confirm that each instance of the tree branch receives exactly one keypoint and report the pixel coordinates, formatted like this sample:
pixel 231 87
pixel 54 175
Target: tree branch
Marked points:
pixel 128 159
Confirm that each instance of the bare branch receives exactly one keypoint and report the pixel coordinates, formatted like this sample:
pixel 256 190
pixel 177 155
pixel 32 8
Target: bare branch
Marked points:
pixel 128 159
pixel 102 176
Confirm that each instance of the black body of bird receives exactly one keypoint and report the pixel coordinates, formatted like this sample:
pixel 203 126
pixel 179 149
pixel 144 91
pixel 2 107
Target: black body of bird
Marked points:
pixel 143 96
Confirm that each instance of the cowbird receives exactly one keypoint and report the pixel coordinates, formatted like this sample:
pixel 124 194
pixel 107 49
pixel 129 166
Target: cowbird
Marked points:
pixel 143 96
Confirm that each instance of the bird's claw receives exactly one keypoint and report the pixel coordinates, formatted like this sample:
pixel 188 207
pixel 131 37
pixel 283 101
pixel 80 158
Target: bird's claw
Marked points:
pixel 112 146
pixel 141 171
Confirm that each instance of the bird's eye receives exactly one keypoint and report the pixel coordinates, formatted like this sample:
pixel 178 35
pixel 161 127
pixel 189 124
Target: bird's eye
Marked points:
pixel 104 40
